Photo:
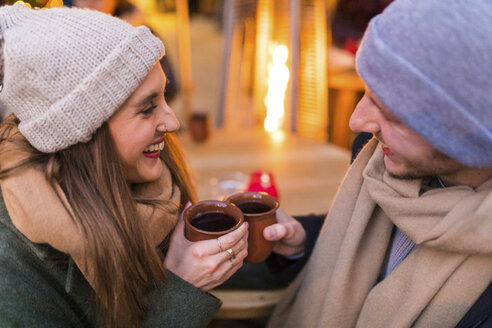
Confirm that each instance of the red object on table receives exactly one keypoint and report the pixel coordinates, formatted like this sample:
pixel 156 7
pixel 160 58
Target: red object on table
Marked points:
pixel 351 46
pixel 262 181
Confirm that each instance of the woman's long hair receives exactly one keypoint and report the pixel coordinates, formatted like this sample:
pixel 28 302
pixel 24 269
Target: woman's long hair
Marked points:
pixel 125 264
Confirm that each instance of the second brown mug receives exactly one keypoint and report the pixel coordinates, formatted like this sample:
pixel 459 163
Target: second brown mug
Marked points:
pixel 259 211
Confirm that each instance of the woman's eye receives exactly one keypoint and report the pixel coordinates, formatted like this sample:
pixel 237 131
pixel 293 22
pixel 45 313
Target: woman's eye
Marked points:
pixel 149 110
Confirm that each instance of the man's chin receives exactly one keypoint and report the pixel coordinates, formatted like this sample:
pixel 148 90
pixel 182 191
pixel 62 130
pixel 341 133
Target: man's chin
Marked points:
pixel 405 176
pixel 402 171
pixel 408 173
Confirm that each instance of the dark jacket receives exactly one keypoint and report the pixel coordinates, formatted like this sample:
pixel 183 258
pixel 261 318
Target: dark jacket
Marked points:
pixel 480 314
pixel 277 271
pixel 42 287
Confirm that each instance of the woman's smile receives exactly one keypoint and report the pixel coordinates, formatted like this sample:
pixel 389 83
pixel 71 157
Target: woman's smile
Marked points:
pixel 154 150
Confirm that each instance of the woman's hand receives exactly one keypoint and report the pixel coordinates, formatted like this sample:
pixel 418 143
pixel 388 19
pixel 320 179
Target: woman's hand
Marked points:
pixel 288 234
pixel 208 263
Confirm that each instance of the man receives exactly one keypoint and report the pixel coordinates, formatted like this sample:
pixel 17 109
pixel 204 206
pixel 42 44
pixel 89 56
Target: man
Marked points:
pixel 408 240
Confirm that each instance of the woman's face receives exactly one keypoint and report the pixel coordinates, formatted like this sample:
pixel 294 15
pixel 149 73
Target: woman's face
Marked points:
pixel 139 126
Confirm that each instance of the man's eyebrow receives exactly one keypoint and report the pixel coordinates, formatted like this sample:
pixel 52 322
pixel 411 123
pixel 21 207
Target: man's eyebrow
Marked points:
pixel 375 103
pixel 147 99
pixel 382 110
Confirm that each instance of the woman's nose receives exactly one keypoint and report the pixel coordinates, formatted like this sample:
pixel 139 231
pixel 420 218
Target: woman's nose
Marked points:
pixel 365 118
pixel 167 120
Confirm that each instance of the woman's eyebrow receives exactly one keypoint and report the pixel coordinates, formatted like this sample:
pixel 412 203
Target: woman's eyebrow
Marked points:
pixel 147 99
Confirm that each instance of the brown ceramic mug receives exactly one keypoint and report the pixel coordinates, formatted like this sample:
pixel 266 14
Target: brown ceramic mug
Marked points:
pixel 210 219
pixel 259 211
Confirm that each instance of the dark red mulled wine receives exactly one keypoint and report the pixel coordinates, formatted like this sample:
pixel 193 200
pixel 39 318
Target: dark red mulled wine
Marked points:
pixel 253 207
pixel 213 221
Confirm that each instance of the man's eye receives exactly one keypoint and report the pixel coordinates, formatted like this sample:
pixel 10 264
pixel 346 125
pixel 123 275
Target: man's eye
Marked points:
pixel 149 110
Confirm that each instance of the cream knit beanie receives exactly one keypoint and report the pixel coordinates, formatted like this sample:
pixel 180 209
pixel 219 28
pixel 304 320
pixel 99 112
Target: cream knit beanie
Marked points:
pixel 67 70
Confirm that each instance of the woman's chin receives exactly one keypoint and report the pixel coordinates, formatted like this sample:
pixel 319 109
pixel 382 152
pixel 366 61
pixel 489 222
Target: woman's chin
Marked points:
pixel 146 175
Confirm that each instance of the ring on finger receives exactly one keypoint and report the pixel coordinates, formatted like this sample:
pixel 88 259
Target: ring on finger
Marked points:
pixel 231 254
pixel 220 245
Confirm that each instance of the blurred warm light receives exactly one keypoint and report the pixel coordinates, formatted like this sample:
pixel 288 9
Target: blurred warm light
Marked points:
pixel 278 77
pixel 277 137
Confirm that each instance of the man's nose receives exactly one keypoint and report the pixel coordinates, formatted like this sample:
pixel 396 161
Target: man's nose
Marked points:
pixel 364 118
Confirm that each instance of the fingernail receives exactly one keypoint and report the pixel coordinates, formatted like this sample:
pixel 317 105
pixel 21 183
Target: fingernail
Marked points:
pixel 270 234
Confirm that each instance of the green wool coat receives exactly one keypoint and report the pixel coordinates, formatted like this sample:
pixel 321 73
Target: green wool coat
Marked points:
pixel 42 287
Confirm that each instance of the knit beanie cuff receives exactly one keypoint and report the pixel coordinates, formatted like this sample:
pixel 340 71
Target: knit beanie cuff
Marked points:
pixel 75 117
pixel 17 13
pixel 420 102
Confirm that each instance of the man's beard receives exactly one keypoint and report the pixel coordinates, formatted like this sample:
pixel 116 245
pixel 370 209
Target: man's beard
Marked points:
pixel 435 164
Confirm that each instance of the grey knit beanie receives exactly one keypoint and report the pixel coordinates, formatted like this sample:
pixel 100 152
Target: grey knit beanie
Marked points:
pixel 67 70
pixel 430 63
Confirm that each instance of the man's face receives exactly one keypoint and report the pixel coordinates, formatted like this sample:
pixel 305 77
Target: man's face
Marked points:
pixel 406 153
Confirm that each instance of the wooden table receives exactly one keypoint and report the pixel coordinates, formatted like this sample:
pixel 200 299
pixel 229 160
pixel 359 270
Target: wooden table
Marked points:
pixel 307 172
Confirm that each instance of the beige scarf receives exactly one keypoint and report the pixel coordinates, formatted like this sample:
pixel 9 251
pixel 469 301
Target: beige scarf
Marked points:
pixel 39 214
pixel 433 287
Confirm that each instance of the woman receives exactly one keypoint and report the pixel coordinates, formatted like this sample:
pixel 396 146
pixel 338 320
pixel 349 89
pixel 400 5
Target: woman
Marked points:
pixel 92 181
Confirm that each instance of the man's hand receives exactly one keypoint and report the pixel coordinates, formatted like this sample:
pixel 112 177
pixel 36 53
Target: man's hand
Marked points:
pixel 288 234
